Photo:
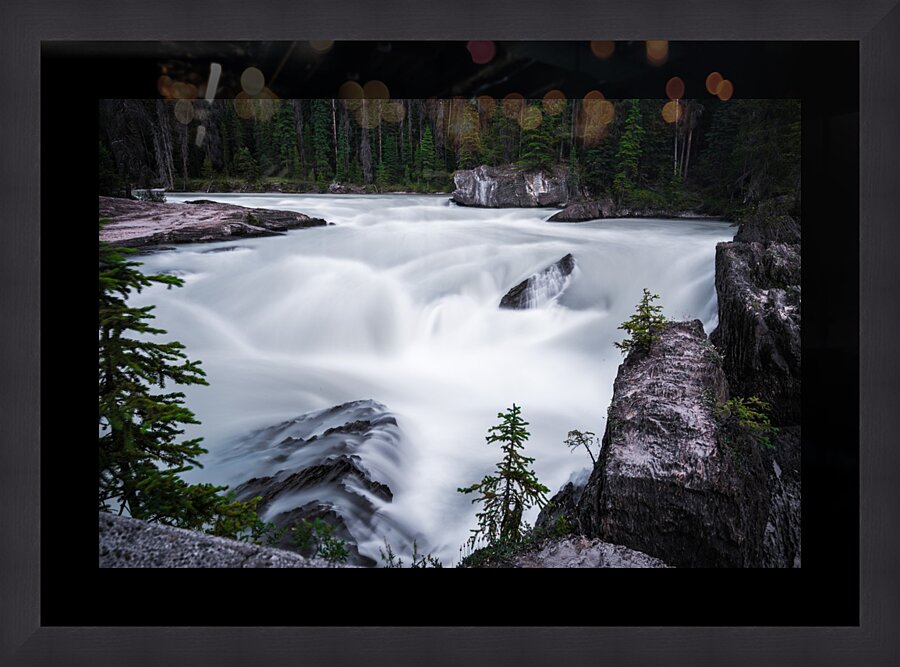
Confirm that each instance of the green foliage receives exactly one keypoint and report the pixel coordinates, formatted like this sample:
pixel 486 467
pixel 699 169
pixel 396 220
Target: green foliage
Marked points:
pixel 538 147
pixel 418 561
pixel 246 166
pixel 644 326
pixel 480 553
pixel 316 539
pixel 110 184
pixel 586 439
pixel 629 153
pixel 140 457
pixel 512 490
pixel 749 416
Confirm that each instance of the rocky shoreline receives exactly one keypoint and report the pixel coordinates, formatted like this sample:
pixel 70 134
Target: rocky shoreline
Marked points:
pixel 138 224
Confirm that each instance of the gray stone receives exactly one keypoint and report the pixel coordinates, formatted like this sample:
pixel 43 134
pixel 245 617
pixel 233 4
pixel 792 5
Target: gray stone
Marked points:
pixel 127 542
pixel 142 223
pixel 606 208
pixel 666 483
pixel 542 287
pixel 580 551
pixel 508 187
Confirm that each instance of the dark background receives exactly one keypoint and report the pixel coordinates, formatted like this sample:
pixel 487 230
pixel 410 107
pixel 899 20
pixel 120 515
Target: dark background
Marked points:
pixel 74 591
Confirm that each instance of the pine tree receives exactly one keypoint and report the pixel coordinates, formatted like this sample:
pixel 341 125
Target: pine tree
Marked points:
pixel 245 165
pixel 539 143
pixel 140 459
pixel 629 153
pixel 425 156
pixel 512 490
pixel 321 140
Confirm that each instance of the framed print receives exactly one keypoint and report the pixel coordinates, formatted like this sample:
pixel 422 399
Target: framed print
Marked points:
pixel 437 63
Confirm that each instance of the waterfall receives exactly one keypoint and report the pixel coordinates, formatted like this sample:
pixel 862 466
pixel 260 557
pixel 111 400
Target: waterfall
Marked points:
pixel 397 302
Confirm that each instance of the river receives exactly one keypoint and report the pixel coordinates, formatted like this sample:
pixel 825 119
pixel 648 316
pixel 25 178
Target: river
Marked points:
pixel 398 302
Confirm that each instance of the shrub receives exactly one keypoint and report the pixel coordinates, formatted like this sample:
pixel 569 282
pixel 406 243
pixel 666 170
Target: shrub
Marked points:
pixel 644 326
pixel 748 415
pixel 316 539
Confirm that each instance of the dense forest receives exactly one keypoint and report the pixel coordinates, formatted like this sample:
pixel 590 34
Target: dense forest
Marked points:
pixel 708 155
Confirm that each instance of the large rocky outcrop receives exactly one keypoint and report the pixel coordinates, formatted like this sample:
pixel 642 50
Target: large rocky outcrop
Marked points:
pixel 607 208
pixel 508 187
pixel 667 483
pixel 332 464
pixel 143 223
pixel 758 279
pixel 542 287
pixel 126 542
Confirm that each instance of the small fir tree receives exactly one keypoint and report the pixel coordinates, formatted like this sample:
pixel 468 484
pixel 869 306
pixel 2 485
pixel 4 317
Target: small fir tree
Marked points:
pixel 512 490
pixel 644 326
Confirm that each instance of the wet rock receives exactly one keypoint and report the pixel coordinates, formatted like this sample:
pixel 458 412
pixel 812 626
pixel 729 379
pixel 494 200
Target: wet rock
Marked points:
pixel 542 287
pixel 564 505
pixel 666 483
pixel 142 223
pixel 333 464
pixel 606 208
pixel 126 542
pixel 505 187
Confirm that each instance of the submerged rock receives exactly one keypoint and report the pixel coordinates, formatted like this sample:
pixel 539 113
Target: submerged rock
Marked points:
pixel 142 223
pixel 606 208
pixel 542 287
pixel 332 464
pixel 506 187
pixel 667 483
pixel 126 542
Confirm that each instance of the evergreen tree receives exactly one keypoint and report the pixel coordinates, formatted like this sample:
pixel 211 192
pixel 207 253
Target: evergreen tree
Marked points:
pixel 644 326
pixel 425 156
pixel 512 490
pixel 629 153
pixel 320 123
pixel 109 182
pixel 539 142
pixel 140 459
pixel 245 165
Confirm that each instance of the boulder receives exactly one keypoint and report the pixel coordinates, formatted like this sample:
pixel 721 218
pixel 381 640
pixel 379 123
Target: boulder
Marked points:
pixel 606 208
pixel 541 288
pixel 509 187
pixel 127 542
pixel 667 483
pixel 564 505
pixel 143 223
pixel 333 464
pixel 577 551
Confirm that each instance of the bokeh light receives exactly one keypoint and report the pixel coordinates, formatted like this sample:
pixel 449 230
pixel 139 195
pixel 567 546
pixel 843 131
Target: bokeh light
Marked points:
pixel 712 82
pixel 513 105
pixel 486 104
pixel 321 46
pixel 252 81
pixel 393 112
pixel 554 102
pixel 482 52
pixel 672 111
pixel 184 111
pixel 531 118
pixel 243 105
pixel 675 88
pixel 657 51
pixel 376 90
pixel 184 91
pixel 603 50
pixel 725 90
pixel 164 85
pixel 351 91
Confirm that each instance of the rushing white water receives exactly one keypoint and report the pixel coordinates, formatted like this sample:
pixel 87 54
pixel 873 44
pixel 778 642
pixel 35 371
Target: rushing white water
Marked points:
pixel 398 302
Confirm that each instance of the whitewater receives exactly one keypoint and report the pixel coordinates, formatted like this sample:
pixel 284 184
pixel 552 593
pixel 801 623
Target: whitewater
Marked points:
pixel 398 301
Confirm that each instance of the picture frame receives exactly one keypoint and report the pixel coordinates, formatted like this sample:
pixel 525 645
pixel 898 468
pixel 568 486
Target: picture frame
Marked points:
pixel 876 25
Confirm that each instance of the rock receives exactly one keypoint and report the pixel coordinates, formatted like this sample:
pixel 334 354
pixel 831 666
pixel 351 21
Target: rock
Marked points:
pixel 781 547
pixel 583 552
pixel 126 542
pixel 332 464
pixel 507 187
pixel 564 505
pixel 758 278
pixel 542 287
pixel 336 188
pixel 141 223
pixel 771 221
pixel 665 482
pixel 606 208
pixel 758 287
